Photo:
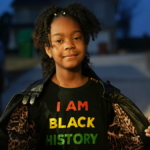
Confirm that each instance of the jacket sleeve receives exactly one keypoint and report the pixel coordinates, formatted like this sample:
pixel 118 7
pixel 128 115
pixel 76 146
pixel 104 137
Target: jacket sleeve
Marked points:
pixel 137 117
pixel 4 138
pixel 21 130
pixel 10 115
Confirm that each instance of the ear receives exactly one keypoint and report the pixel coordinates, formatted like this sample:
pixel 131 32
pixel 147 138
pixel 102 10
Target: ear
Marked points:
pixel 48 51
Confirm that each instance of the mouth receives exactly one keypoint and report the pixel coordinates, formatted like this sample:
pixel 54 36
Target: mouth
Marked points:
pixel 70 56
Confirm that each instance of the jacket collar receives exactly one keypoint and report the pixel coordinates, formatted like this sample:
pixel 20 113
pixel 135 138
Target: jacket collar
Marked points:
pixel 39 85
pixel 36 88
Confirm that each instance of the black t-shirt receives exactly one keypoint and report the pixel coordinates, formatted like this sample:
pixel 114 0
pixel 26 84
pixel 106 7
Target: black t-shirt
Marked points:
pixel 71 118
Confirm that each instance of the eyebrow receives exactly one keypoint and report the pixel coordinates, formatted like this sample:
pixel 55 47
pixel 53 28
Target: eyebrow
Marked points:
pixel 77 31
pixel 61 34
pixel 57 34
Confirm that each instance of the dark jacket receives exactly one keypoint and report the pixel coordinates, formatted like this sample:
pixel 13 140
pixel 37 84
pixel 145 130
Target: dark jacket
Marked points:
pixel 110 93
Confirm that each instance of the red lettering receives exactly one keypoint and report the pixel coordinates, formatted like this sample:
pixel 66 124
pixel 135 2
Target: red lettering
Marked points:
pixel 71 106
pixel 85 104
pixel 58 106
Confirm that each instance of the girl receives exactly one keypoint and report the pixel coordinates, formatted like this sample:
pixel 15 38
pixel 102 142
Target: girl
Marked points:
pixel 70 108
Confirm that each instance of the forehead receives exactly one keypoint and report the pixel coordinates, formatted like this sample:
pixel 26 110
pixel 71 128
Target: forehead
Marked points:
pixel 64 24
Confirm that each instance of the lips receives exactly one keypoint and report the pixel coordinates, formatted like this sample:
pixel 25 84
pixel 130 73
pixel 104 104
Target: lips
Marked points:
pixel 70 55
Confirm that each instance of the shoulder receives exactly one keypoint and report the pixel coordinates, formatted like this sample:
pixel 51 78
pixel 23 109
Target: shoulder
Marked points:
pixel 36 85
pixel 107 87
pixel 25 97
pixel 33 91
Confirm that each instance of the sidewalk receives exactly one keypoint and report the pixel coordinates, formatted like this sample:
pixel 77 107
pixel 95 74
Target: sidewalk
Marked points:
pixel 127 72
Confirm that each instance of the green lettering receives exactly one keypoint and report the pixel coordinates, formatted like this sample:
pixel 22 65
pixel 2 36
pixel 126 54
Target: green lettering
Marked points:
pixel 54 139
pixel 68 138
pixel 75 140
pixel 49 140
pixel 86 138
pixel 93 138
pixel 60 138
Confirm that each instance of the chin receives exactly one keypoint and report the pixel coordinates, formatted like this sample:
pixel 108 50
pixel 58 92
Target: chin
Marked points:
pixel 75 67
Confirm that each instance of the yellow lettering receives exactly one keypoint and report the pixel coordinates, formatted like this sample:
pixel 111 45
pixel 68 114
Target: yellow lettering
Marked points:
pixel 53 123
pixel 89 122
pixel 60 124
pixel 79 122
pixel 72 122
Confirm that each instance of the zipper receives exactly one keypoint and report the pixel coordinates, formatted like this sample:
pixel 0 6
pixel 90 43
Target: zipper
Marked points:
pixel 25 95
pixel 12 100
pixel 26 98
pixel 33 97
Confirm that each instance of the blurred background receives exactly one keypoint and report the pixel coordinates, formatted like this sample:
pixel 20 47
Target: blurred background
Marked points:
pixel 121 52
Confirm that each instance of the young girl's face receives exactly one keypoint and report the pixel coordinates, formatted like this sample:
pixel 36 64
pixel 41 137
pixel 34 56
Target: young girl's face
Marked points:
pixel 67 45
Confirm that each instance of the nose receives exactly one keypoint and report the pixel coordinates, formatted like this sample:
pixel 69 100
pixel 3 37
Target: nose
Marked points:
pixel 69 45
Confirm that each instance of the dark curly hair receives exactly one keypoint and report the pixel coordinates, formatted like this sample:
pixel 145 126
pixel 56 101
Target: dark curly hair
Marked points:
pixel 87 21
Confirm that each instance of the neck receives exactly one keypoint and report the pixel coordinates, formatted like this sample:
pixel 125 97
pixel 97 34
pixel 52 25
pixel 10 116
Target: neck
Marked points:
pixel 69 78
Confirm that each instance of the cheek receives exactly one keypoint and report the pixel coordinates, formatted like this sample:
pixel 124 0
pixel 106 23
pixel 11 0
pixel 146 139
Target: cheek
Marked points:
pixel 55 49
pixel 56 53
pixel 84 48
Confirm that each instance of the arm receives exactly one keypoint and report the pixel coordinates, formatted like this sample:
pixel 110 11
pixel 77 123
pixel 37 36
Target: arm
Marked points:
pixel 21 130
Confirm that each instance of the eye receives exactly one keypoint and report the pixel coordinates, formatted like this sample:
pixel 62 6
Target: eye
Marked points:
pixel 58 41
pixel 76 38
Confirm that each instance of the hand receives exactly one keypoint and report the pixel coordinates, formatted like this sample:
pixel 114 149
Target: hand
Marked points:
pixel 147 131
